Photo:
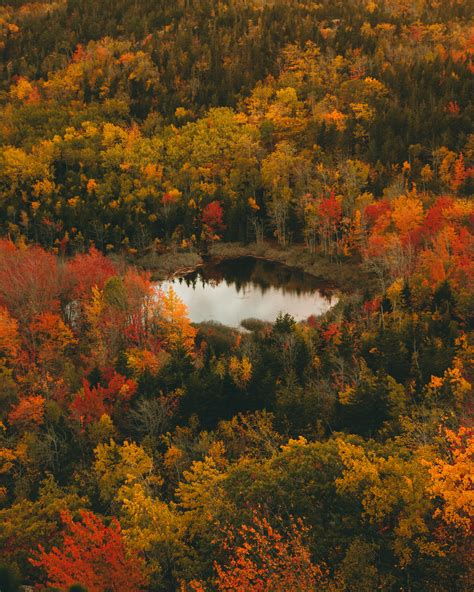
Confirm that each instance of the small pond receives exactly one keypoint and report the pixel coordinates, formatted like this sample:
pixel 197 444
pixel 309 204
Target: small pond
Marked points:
pixel 238 289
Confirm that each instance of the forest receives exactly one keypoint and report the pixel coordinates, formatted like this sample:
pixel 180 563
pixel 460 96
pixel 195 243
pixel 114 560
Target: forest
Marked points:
pixel 140 451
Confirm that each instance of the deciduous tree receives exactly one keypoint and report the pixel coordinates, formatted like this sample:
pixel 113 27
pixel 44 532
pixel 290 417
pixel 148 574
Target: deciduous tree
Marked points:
pixel 93 555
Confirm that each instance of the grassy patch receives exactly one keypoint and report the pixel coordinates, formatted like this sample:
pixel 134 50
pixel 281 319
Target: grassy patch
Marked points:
pixel 162 266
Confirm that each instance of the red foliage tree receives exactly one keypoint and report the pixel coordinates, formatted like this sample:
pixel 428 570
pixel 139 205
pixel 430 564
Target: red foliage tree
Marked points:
pixel 93 401
pixel 212 216
pixel 332 333
pixel 377 209
pixel 434 219
pixel 330 208
pixel 87 270
pixel 92 555
pixel 29 280
pixel 330 214
pixel 453 108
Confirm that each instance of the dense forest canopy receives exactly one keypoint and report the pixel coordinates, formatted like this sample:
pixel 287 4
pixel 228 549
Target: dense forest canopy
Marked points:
pixel 139 451
pixel 100 101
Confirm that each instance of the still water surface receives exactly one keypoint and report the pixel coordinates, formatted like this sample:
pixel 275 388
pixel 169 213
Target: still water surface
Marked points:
pixel 234 290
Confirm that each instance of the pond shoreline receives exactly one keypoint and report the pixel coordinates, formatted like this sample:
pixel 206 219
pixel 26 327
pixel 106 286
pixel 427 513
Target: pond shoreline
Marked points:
pixel 347 276
pixel 228 290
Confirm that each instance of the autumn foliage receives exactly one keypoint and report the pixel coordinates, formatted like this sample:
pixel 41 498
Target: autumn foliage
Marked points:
pixel 263 559
pixel 452 480
pixel 86 271
pixel 141 451
pixel 92 402
pixel 92 555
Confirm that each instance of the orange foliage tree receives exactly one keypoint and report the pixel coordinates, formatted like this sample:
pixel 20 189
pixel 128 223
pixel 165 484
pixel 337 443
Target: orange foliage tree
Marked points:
pixel 9 339
pixel 453 481
pixel 30 410
pixel 92 555
pixel 263 559
pixel 49 338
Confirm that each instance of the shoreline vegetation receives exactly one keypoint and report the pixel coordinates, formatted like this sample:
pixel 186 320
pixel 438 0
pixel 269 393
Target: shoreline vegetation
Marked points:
pixel 346 276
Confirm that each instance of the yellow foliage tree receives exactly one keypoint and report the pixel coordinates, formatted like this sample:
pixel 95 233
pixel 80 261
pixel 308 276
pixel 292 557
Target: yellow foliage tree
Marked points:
pixel 174 322
pixel 407 213
pixel 152 527
pixel 393 494
pixel 240 370
pixel 117 464
pixel 452 480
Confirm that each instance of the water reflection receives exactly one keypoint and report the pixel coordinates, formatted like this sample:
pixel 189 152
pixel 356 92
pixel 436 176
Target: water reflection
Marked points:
pixel 234 290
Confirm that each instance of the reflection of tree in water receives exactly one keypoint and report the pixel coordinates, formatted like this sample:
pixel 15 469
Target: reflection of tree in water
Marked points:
pixel 197 277
pixel 247 273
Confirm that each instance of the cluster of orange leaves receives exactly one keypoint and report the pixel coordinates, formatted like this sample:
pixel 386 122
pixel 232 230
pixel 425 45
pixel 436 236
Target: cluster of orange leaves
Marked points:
pixel 92 555
pixel 264 559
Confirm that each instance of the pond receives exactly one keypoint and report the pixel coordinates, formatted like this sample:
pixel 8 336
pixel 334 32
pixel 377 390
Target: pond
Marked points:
pixel 238 289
